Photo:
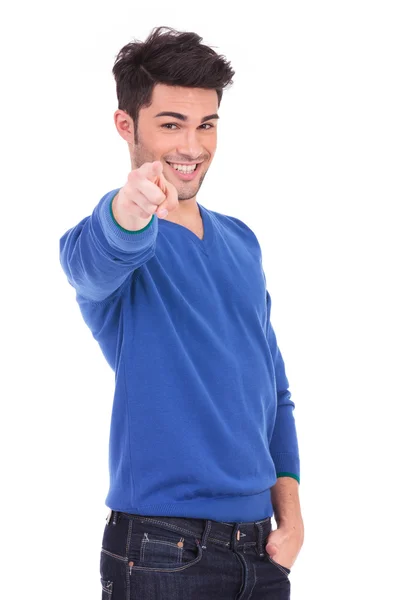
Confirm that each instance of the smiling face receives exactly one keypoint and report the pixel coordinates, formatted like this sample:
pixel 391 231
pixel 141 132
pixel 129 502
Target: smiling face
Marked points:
pixel 178 128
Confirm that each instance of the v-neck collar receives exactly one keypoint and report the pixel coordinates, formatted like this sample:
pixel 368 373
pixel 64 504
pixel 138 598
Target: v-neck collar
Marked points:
pixel 208 230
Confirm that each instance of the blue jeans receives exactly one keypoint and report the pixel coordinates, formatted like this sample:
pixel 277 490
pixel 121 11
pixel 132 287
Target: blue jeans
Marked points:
pixel 176 558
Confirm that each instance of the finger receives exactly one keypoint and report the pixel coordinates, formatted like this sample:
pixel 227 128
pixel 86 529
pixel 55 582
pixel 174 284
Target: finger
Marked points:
pixel 151 191
pixel 164 207
pixel 171 202
pixel 150 200
pixel 271 549
pixel 151 171
pixel 161 182
pixel 146 208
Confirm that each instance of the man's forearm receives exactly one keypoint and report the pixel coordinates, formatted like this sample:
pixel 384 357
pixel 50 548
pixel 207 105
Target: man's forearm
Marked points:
pixel 285 542
pixel 286 503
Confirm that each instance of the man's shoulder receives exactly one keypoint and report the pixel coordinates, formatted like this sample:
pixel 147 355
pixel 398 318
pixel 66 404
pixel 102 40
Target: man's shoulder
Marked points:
pixel 224 218
pixel 234 223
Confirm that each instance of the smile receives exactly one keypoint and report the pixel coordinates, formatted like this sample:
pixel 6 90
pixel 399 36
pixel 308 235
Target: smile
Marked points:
pixel 183 171
pixel 183 168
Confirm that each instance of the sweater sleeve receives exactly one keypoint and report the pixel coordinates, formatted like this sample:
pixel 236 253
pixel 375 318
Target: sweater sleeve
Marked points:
pixel 97 255
pixel 284 444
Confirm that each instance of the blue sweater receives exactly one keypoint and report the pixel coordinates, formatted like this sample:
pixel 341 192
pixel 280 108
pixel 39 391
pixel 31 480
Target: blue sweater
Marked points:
pixel 202 421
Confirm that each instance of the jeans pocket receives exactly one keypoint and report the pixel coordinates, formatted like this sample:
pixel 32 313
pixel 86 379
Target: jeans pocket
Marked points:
pixel 106 589
pixel 153 548
pixel 284 570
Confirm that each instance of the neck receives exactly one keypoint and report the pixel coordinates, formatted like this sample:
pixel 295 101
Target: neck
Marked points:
pixel 188 210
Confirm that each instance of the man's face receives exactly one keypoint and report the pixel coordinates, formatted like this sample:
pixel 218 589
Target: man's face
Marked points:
pixel 189 136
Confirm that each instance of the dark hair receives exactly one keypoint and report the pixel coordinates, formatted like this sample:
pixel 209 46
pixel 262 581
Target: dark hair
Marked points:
pixel 169 57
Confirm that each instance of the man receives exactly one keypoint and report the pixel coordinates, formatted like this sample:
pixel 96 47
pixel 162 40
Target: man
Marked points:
pixel 203 445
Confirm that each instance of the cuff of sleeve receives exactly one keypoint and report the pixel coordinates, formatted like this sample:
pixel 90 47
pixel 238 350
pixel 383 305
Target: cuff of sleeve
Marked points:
pixel 296 477
pixel 288 464
pixel 117 235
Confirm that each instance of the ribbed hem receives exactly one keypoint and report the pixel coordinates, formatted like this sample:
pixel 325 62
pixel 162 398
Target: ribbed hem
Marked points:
pixel 117 235
pixel 242 509
pixel 283 474
pixel 286 462
pixel 122 228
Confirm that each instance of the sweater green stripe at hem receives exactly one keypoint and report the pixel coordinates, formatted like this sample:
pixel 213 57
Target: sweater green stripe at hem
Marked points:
pixel 122 228
pixel 288 475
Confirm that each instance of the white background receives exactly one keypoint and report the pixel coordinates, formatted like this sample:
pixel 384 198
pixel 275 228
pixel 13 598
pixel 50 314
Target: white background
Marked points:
pixel 308 156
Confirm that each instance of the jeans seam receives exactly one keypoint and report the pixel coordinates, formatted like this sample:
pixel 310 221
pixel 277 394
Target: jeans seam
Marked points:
pixel 147 540
pixel 172 570
pixel 127 549
pixel 167 526
pixel 117 556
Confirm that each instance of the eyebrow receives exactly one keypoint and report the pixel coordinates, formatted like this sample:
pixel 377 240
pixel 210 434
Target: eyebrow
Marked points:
pixel 184 117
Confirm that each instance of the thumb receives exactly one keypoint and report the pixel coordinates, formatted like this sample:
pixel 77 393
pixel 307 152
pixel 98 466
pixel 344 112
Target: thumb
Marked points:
pixel 271 549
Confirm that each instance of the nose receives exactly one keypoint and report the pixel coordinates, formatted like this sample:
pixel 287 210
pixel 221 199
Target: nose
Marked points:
pixel 190 145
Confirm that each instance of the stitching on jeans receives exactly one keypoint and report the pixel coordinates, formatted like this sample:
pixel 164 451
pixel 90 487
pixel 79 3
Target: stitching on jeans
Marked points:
pixel 128 539
pixel 279 567
pixel 127 575
pixel 176 528
pixel 142 548
pixel 255 580
pixel 206 534
pixel 260 543
pixel 168 569
pixel 146 540
pixel 161 542
pixel 217 541
pixel 169 526
pixel 109 588
pixel 114 555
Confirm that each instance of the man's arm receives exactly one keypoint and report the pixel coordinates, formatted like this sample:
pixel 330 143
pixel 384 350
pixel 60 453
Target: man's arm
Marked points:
pixel 97 255
pixel 284 543
pixel 286 502
pixel 283 445
pixel 103 250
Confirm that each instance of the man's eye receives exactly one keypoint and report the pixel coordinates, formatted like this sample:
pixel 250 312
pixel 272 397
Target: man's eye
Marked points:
pixel 204 125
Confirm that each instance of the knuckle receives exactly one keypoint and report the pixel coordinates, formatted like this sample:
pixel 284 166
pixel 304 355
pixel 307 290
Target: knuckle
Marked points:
pixel 133 175
pixel 145 168
pixel 151 208
pixel 140 211
pixel 160 198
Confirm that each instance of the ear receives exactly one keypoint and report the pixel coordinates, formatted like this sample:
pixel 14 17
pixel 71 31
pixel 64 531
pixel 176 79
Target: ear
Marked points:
pixel 124 124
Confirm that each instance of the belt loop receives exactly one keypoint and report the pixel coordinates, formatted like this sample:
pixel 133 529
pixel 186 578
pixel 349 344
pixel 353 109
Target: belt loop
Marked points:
pixel 115 518
pixel 260 539
pixel 205 534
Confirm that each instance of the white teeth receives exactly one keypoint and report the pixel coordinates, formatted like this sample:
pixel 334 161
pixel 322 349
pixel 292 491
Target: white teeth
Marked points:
pixel 184 168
